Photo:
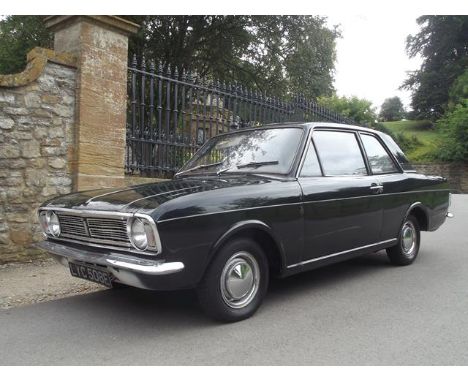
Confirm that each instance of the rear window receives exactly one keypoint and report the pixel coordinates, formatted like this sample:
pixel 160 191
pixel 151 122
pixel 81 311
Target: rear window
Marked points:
pixel 397 152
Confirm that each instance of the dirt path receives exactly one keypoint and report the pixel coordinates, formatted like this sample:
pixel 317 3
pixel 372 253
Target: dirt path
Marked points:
pixel 24 284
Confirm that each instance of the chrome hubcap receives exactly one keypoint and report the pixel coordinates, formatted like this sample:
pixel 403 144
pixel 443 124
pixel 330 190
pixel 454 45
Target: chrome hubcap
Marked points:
pixel 240 280
pixel 408 238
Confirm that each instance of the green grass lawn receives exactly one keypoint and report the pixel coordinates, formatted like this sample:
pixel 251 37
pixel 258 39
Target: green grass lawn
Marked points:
pixel 428 138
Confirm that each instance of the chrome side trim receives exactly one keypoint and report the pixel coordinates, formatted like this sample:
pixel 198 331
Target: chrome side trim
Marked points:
pixel 297 203
pixel 341 253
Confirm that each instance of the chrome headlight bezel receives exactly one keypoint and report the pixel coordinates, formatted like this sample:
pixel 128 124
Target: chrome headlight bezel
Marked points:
pixel 152 242
pixel 50 223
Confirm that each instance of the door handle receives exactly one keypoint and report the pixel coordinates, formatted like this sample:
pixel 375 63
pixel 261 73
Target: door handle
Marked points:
pixel 376 188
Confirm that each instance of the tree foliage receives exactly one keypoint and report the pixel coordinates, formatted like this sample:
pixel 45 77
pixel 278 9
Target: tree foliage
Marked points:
pixel 454 124
pixel 276 54
pixel 279 55
pixel 18 35
pixel 392 110
pixel 443 44
pixel 358 109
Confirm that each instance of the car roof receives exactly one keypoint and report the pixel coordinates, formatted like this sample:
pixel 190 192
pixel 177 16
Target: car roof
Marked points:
pixel 311 125
pixel 308 126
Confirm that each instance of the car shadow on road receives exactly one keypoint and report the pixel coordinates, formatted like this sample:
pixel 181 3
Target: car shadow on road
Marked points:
pixel 338 273
pixel 180 308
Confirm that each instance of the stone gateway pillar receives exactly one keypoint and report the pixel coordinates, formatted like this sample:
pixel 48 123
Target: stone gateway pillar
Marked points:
pixel 100 44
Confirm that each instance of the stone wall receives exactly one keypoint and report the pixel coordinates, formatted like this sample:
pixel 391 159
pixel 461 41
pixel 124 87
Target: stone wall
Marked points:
pixel 456 173
pixel 36 148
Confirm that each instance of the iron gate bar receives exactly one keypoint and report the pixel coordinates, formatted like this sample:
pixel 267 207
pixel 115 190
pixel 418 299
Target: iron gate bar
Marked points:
pixel 171 114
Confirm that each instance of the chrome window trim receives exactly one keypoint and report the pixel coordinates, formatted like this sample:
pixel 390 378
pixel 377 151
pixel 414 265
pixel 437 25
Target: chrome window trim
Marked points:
pixel 340 253
pixel 291 168
pixel 101 243
pixel 358 141
pixel 397 165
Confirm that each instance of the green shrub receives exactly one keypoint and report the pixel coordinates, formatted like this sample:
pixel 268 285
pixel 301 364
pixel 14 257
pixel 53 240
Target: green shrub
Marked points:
pixel 406 143
pixel 454 128
pixel 423 125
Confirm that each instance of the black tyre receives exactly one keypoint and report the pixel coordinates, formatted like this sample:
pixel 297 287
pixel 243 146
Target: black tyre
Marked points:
pixel 236 281
pixel 407 248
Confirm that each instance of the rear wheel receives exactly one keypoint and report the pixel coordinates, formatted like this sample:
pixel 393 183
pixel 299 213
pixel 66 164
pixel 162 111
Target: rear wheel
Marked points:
pixel 407 248
pixel 235 282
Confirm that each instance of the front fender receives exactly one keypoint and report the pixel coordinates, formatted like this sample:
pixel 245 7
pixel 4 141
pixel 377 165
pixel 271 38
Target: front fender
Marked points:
pixel 248 225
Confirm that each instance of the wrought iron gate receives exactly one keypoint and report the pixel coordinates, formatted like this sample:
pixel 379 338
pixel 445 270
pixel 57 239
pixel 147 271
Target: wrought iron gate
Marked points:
pixel 170 115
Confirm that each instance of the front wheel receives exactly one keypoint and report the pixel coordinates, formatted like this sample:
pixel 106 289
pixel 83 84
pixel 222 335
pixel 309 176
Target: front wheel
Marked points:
pixel 407 248
pixel 236 281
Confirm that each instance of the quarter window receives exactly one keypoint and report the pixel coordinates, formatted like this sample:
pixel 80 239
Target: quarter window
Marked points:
pixel 379 160
pixel 339 153
pixel 311 165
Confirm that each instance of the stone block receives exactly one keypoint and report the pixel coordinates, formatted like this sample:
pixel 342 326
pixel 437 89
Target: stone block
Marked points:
pixel 40 132
pixel 9 151
pixel 13 196
pixel 7 97
pixel 56 132
pixel 57 163
pixel 38 162
pixel 5 238
pixel 31 149
pixel 49 191
pixel 51 99
pixel 6 123
pixel 32 100
pixel 53 151
pixel 21 135
pixel 35 178
pixel 17 163
pixel 16 110
pixel 20 236
pixel 17 217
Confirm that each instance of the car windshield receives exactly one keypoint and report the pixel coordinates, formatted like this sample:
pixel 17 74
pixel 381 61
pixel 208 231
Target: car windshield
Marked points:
pixel 262 150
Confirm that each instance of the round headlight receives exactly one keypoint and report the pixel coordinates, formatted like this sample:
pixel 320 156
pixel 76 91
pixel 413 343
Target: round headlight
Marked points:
pixel 138 234
pixel 53 224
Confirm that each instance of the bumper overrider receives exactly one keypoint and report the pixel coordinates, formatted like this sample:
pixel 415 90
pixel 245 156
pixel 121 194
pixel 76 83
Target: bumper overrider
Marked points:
pixel 125 269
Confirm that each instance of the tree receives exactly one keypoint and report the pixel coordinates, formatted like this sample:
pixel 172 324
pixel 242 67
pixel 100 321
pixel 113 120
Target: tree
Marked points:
pixel 360 110
pixel 18 35
pixel 443 44
pixel 279 55
pixel 392 109
pixel 454 124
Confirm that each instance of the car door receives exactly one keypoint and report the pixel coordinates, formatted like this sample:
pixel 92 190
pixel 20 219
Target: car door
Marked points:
pixel 387 173
pixel 340 212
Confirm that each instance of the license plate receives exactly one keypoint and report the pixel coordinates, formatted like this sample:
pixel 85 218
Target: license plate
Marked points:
pixel 91 274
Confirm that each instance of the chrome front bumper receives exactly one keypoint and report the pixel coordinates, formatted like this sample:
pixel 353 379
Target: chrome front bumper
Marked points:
pixel 127 270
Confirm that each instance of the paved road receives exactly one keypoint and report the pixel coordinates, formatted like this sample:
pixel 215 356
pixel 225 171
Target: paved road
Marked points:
pixel 362 312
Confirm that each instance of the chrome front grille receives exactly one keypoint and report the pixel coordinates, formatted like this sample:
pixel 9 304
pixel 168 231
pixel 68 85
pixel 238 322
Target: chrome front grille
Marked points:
pixel 110 229
pixel 72 225
pixel 96 229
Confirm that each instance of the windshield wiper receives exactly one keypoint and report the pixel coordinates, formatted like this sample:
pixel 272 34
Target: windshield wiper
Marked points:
pixel 257 164
pixel 200 166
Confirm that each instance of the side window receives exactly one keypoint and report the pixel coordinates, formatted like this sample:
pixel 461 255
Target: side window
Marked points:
pixel 379 160
pixel 311 165
pixel 339 153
